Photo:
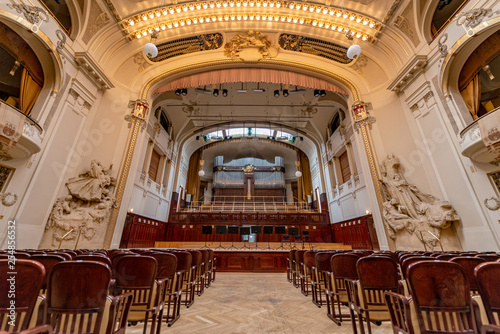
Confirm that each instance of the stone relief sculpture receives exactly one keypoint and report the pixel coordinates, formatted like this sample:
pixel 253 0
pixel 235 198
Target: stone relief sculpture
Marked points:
pixel 250 46
pixel 85 212
pixel 412 217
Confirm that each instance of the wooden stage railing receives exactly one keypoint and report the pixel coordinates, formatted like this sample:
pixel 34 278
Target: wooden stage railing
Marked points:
pixel 250 245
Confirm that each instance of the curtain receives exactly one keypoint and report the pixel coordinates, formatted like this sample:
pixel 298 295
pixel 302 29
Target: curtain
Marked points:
pixel 192 176
pixel 471 95
pixel 29 92
pixel 250 75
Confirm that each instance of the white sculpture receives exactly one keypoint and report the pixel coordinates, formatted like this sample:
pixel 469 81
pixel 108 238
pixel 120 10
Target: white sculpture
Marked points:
pixel 85 212
pixel 408 211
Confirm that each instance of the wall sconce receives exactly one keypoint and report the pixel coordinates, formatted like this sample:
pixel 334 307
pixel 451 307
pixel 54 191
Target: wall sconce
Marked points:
pixel 298 173
pixel 17 63
pixel 201 172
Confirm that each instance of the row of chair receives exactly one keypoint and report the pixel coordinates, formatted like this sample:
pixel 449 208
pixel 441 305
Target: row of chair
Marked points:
pixel 376 286
pixel 147 287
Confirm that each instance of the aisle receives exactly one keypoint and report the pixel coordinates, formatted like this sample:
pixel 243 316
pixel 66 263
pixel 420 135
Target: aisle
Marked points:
pixel 253 303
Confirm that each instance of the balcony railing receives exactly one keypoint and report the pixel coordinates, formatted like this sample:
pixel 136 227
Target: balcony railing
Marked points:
pixel 30 141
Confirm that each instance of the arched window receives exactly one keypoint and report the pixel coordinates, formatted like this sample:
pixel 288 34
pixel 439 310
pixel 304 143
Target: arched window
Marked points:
pixel 479 81
pixel 337 119
pixel 162 118
pixel 21 74
pixel 445 12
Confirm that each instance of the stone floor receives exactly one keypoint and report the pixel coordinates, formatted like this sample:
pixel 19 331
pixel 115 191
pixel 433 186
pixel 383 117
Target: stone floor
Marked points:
pixel 255 303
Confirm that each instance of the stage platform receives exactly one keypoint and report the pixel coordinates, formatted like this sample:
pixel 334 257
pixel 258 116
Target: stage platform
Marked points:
pixel 267 258
pixel 226 245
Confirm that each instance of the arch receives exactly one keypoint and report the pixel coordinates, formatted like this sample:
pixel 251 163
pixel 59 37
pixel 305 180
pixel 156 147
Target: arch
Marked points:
pixel 46 52
pixel 455 60
pixel 429 15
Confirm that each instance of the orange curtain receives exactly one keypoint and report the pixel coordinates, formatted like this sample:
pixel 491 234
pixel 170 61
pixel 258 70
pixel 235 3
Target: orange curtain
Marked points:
pixel 471 95
pixel 192 176
pixel 29 92
pixel 250 75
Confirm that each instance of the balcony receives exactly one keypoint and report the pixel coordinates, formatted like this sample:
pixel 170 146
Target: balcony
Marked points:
pixel 472 143
pixel 20 135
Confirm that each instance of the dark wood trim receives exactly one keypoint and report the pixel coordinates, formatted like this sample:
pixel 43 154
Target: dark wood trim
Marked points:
pixel 358 232
pixel 251 261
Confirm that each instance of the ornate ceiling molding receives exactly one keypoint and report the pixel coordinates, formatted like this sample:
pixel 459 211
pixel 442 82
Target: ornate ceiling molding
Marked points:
pixel 92 70
pixel 408 73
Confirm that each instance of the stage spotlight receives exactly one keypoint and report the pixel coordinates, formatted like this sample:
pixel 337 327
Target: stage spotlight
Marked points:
pixel 215 92
pixel 322 93
pixel 285 92
pixel 316 92
pixel 197 137
pixel 224 92
pixel 178 92
pixel 184 91
pixel 301 138
pixel 276 93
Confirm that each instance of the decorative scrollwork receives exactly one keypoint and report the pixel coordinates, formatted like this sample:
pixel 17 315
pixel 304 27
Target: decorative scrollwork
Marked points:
pixel 188 45
pixel 314 46
pixel 492 203
pixel 473 18
pixel 250 40
pixel 9 199
pixel 34 15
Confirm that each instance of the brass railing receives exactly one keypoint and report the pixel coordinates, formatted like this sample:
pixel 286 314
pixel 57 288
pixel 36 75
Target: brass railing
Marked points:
pixel 244 204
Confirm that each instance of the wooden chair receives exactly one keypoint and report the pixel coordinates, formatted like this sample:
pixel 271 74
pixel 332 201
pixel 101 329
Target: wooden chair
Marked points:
pixel 412 259
pixel 194 278
pixel 167 272
pixel 441 300
pixel 213 269
pixel 28 280
pixel 309 269
pixel 22 255
pixel 137 274
pixel 488 282
pixel 78 300
pixel 184 266
pixel 377 275
pixel 205 256
pixel 299 263
pixel 490 329
pixel 48 261
pixel 208 268
pixel 488 257
pixel 289 265
pixel 65 255
pixel 320 278
pixel 342 268
pixel 445 257
pixel 468 264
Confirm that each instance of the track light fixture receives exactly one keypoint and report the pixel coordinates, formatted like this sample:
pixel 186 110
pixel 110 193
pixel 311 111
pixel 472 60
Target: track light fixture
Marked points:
pixel 224 92
pixel 316 92
pixel 276 93
pixel 215 92
pixel 184 91
pixel 178 92
pixel 322 93
pixel 285 92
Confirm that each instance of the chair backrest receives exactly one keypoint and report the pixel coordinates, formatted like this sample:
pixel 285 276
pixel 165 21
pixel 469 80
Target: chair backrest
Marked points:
pixel 488 282
pixel 184 260
pixel 468 263
pixel 445 257
pixel 412 259
pixel 63 254
pixel 197 257
pixel 488 257
pixel 135 271
pixel 92 257
pixel 167 264
pixel 27 282
pixel 378 273
pixel 291 255
pixel 441 294
pixel 343 266
pixel 116 258
pixel 322 261
pixel 77 288
pixel 22 255
pixel 48 261
pixel 309 259
pixel 205 256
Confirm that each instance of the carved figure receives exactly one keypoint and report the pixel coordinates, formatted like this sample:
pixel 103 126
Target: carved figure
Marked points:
pixel 85 211
pixel 408 209
pixel 250 40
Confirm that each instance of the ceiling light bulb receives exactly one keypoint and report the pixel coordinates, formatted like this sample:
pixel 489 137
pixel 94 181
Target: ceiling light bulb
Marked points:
pixel 318 10
pixel 340 28
pixel 224 4
pixel 144 17
pixel 251 17
pixel 188 22
pixel 245 17
pixel 245 3
pixel 258 3
pixel 191 6
pixel 298 6
pixel 276 18
pixel 257 17
pixel 169 25
pixel 304 7
pixel 231 4
pixel 131 22
pixel 345 16
pixel 144 33
pixel 212 5
pixel 252 3
pixel 195 20
pixel 339 13
pixel 358 35
pixel 202 19
pixel 301 21
pixel 226 17
pixel 311 9
pixel 325 10
pixel 358 19
pixel 176 24
pixel 315 23
pixel 291 5
pixel 288 19
pixel 138 35
pixel 298 173
pixel 264 4
pixel 164 11
pixel 295 20
pixel 327 25
pixel 365 38
pixel 365 22
pixel 182 23
pixel 151 15
pixel 198 6
pixel 171 10
pixel 205 5
pixel 331 12
pixel 178 9
pixel 238 4
pixel 278 4
pixel 371 25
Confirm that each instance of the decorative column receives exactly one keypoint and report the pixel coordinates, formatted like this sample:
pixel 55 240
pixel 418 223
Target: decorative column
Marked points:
pixel 162 164
pixel 363 124
pixel 350 157
pixel 147 159
pixel 136 120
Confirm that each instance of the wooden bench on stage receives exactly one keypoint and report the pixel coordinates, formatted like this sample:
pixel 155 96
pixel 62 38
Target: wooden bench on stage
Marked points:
pixel 248 260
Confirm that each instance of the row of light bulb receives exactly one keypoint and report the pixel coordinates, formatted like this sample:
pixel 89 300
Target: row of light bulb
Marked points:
pixel 250 17
pixel 251 3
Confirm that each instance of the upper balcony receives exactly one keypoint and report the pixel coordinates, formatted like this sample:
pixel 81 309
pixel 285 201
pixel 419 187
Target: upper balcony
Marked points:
pixel 20 135
pixel 473 141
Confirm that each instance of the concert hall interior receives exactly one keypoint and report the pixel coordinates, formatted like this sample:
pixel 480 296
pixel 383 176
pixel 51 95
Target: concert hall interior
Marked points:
pixel 251 128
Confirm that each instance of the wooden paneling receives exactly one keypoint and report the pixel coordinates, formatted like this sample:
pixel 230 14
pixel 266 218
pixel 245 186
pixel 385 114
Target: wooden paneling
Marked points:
pixel 140 231
pixel 359 233
pixel 251 261
pixel 187 226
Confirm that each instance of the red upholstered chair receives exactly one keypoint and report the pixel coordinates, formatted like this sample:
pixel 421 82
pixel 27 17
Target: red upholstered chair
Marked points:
pixel 28 280
pixel 468 264
pixel 78 300
pixel 377 275
pixel 488 283
pixel 342 268
pixel 48 261
pixel 137 274
pixel 167 272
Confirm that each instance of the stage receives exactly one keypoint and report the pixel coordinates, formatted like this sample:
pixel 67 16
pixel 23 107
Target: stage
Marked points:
pixel 233 257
